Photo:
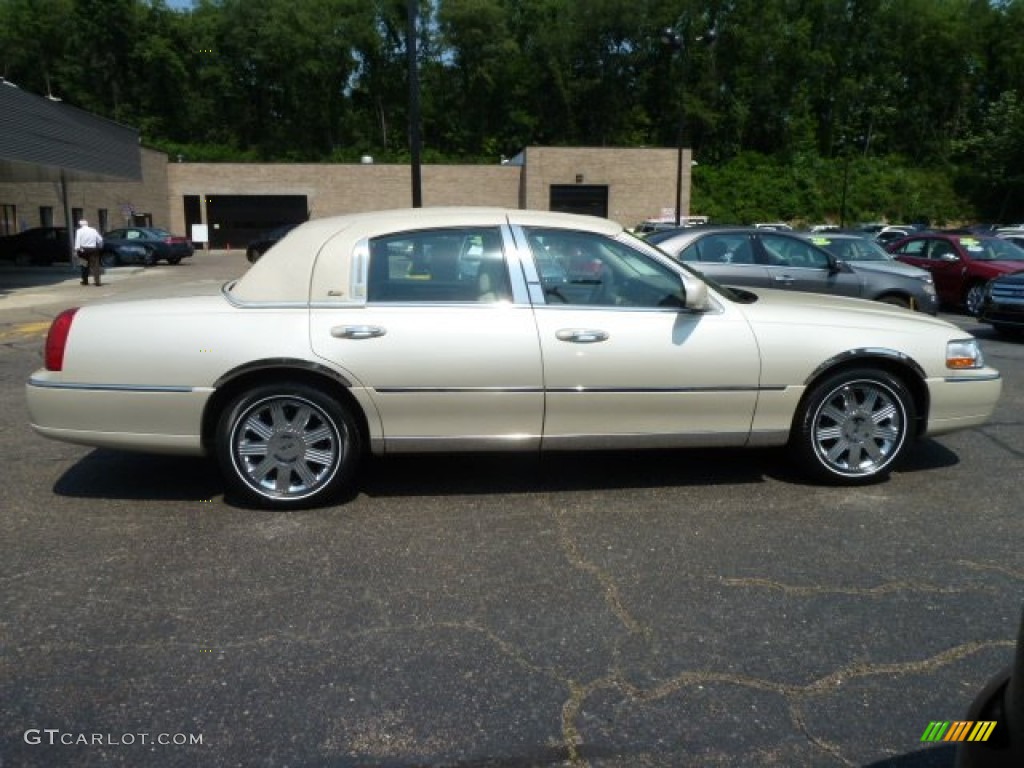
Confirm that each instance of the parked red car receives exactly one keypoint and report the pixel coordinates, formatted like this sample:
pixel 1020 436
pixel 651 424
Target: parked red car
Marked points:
pixel 960 264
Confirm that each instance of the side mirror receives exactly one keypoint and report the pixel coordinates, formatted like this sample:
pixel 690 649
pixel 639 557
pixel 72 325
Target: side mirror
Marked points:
pixel 696 292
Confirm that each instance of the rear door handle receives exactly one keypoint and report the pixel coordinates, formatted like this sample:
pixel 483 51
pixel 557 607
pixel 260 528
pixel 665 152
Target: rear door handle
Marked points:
pixel 581 335
pixel 784 279
pixel 357 331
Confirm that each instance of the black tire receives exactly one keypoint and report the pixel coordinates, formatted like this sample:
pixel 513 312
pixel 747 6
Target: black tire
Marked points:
pixel 287 446
pixel 150 258
pixel 973 297
pixel 853 426
pixel 109 259
pixel 172 260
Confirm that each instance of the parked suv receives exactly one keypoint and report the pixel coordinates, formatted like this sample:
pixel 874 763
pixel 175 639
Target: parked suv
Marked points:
pixel 760 258
pixel 1002 303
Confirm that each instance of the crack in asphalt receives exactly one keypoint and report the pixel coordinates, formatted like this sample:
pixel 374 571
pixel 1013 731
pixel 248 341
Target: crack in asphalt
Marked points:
pixel 881 589
pixel 793 694
pixel 1019 575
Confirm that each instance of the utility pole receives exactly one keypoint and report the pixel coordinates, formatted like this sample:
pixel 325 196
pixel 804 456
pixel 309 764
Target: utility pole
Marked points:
pixel 414 103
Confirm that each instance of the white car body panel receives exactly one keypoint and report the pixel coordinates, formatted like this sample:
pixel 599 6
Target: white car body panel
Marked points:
pixel 489 387
pixel 510 375
pixel 649 377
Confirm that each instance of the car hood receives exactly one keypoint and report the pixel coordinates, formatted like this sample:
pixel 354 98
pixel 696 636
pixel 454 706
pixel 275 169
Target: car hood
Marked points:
pixel 820 310
pixel 888 267
pixel 1013 278
pixel 1005 267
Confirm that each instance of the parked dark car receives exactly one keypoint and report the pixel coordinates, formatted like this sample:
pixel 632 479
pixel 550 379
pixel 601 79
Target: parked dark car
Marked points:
pixel 1002 303
pixel 265 241
pixel 761 258
pixel 961 265
pixel 39 245
pixel 156 245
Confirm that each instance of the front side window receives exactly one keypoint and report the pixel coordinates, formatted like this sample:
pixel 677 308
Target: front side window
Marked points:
pixel 465 264
pixel 792 252
pixel 585 269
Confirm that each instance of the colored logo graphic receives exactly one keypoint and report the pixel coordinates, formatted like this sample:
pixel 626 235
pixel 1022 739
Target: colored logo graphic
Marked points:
pixel 959 730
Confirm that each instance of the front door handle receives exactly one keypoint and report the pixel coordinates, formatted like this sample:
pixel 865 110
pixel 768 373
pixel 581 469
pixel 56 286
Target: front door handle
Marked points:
pixel 581 335
pixel 357 331
pixel 787 279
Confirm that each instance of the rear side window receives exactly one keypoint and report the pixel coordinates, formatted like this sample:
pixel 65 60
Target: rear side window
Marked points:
pixel 732 248
pixel 913 248
pixel 439 265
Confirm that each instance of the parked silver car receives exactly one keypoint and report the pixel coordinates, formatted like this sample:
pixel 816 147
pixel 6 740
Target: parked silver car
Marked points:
pixel 758 258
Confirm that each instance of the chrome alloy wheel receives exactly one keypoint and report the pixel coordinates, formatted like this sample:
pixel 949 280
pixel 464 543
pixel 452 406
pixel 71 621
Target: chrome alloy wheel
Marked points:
pixel 286 447
pixel 859 428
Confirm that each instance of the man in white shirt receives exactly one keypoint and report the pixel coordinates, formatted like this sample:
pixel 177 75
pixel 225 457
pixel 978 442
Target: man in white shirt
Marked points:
pixel 88 246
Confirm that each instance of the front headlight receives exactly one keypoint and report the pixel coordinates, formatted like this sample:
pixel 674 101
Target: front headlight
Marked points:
pixel 964 353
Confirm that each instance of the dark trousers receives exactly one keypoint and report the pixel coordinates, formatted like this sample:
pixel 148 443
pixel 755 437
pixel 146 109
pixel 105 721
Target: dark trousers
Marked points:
pixel 89 263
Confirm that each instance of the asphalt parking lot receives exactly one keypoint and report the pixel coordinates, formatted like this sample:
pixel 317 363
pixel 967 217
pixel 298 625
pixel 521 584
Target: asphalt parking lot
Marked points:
pixel 683 608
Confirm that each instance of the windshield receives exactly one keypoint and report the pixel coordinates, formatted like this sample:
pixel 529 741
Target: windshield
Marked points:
pixel 991 249
pixel 852 248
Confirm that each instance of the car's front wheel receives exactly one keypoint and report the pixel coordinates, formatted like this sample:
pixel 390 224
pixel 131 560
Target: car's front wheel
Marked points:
pixel 853 426
pixel 287 446
pixel 973 298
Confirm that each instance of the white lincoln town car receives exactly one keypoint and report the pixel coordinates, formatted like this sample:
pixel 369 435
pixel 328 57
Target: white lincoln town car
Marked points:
pixel 470 329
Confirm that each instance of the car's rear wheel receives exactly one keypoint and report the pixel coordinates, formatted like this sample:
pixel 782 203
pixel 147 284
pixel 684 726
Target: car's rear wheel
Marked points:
pixel 287 446
pixel 150 258
pixel 109 259
pixel 853 426
pixel 173 260
pixel 973 297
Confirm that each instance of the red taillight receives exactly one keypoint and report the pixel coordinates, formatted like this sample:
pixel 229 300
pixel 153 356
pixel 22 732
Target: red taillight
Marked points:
pixel 57 339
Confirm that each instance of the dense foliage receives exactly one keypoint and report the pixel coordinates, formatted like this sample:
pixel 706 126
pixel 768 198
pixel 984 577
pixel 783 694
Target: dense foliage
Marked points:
pixel 912 108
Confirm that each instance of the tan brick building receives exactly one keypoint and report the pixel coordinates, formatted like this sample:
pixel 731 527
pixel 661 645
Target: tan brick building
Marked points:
pixel 235 200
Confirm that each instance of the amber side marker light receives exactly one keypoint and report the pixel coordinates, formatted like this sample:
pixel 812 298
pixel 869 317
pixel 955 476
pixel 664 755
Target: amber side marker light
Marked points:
pixel 964 354
pixel 961 362
pixel 57 339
